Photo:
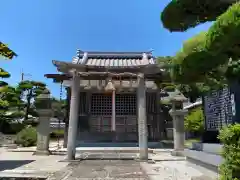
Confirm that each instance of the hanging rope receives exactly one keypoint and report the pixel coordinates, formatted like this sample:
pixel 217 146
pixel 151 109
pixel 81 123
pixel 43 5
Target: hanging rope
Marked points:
pixel 59 121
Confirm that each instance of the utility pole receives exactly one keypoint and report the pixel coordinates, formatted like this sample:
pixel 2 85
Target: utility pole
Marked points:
pixel 23 75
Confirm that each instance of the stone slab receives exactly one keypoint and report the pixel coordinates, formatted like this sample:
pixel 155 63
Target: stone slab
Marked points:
pixel 212 148
pixel 165 157
pixel 207 160
pixel 109 156
pixel 175 170
pixel 104 169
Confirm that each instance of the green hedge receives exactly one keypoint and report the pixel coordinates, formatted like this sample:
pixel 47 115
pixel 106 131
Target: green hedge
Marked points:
pixel 194 121
pixel 27 137
pixel 230 137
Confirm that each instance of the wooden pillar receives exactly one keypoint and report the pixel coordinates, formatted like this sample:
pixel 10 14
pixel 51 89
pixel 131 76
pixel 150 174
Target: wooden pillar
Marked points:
pixel 73 118
pixel 142 119
pixel 113 124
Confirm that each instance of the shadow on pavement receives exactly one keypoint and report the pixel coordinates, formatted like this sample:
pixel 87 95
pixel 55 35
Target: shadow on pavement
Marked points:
pixel 12 164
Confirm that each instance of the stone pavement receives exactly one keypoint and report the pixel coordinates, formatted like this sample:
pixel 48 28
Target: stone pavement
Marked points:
pixel 18 163
pixel 175 170
pixel 166 167
pixel 102 169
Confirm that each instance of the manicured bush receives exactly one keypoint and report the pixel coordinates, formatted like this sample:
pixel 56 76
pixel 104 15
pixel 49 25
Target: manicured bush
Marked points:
pixel 223 35
pixel 27 137
pixel 57 134
pixel 180 15
pixel 230 137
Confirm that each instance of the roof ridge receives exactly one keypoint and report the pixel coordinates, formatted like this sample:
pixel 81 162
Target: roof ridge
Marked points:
pixel 80 52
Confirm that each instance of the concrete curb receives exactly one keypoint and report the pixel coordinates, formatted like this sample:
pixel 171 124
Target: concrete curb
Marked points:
pixel 23 174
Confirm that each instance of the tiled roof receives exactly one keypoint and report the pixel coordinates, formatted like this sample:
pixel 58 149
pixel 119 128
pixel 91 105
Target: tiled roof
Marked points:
pixel 114 59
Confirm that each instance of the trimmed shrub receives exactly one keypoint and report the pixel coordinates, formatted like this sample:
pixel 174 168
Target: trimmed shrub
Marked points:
pixel 230 137
pixel 57 134
pixel 27 137
pixel 223 35
pixel 180 15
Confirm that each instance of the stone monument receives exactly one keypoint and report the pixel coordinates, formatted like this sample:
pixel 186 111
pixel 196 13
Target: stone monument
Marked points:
pixel 43 105
pixel 177 112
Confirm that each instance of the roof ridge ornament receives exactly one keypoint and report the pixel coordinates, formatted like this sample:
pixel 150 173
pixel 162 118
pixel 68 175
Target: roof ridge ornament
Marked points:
pixel 110 86
pixel 150 50
pixel 144 59
pixel 84 58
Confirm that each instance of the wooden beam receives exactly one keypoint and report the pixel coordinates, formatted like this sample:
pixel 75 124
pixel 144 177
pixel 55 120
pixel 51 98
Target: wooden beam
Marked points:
pixel 102 76
pixel 109 74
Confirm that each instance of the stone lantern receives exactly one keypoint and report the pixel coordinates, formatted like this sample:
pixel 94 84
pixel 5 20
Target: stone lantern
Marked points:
pixel 43 106
pixel 178 113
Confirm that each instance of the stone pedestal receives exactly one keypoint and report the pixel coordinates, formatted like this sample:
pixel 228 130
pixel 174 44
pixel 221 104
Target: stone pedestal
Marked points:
pixel 43 131
pixel 178 131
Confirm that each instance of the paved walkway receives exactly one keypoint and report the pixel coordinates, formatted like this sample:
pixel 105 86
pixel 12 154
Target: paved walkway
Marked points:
pixel 18 163
pixel 166 167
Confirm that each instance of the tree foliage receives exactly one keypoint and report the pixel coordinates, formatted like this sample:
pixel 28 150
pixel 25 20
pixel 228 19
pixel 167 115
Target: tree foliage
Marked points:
pixel 6 52
pixel 194 121
pixel 211 56
pixel 180 15
pixel 58 107
pixel 176 77
pixel 223 36
pixel 29 90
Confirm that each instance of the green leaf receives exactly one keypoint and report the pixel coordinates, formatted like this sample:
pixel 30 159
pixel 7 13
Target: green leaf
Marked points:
pixel 4 74
pixel 194 121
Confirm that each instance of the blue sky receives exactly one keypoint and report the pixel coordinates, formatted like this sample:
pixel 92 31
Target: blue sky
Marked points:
pixel 42 30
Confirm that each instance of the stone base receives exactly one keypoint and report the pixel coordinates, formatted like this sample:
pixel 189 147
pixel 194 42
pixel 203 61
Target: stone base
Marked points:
pixel 177 153
pixel 42 153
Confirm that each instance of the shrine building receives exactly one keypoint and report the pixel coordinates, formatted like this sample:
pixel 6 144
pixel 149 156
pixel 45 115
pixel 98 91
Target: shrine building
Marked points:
pixel 112 98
